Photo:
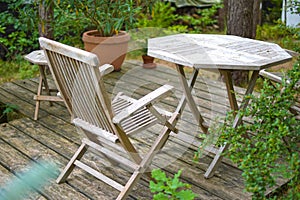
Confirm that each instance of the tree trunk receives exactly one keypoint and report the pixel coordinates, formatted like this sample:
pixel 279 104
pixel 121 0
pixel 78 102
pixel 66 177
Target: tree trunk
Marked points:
pixel 46 14
pixel 256 16
pixel 222 20
pixel 240 18
pixel 240 22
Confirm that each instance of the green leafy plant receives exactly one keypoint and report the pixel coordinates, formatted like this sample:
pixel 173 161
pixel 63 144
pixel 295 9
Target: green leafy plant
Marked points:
pixel 6 110
pixel 294 6
pixel 18 28
pixel 68 26
pixel 166 188
pixel 202 20
pixel 161 16
pixel 17 69
pixel 270 148
pixel 107 16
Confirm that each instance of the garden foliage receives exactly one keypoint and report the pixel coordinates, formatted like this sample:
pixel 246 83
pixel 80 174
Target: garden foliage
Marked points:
pixel 165 188
pixel 268 147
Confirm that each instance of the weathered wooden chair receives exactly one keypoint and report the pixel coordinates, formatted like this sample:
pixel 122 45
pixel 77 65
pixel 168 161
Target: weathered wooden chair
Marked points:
pixel 78 77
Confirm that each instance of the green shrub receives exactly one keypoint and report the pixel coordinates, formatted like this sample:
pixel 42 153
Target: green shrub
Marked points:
pixel 161 16
pixel 69 26
pixel 19 28
pixel 17 69
pixel 166 188
pixel 271 150
pixel 203 20
pixel 286 37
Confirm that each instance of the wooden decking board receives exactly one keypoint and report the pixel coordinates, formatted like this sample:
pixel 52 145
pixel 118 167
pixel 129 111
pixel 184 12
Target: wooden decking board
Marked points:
pixel 52 136
pixel 146 76
pixel 185 159
pixel 25 108
pixel 57 143
pixel 146 142
pixel 32 149
pixel 203 100
pixel 203 104
pixel 11 155
pixel 30 86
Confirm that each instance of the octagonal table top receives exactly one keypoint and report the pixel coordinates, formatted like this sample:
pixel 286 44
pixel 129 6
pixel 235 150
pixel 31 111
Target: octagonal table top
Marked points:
pixel 208 51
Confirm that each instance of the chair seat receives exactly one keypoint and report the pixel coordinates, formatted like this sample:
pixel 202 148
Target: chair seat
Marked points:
pixel 141 119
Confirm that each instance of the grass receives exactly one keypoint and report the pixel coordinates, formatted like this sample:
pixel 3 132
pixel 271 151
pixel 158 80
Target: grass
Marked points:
pixel 16 69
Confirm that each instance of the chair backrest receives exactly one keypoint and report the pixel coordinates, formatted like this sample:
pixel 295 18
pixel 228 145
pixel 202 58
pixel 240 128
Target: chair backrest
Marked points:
pixel 77 77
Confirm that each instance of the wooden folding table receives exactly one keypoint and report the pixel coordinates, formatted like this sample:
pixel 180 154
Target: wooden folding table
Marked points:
pixel 37 57
pixel 225 53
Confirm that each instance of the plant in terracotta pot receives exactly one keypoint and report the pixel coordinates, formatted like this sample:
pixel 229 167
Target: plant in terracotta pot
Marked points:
pixel 109 18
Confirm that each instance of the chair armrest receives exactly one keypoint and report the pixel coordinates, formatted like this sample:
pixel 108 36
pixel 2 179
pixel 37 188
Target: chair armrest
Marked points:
pixel 150 98
pixel 106 69
pixel 270 76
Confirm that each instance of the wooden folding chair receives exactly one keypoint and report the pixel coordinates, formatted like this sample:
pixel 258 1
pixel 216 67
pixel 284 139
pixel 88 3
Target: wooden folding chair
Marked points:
pixel 78 77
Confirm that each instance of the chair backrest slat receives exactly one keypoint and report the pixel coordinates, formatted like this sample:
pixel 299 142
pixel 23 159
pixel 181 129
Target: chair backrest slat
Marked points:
pixel 77 76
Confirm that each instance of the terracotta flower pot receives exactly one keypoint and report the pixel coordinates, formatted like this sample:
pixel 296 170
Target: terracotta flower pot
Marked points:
pixel 148 62
pixel 110 50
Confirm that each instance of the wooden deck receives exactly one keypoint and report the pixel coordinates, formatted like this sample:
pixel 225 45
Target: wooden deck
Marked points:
pixel 52 137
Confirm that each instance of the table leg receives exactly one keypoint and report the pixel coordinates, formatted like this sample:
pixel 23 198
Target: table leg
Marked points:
pixel 187 87
pixel 230 90
pixel 237 121
pixel 45 82
pixel 39 91
pixel 38 97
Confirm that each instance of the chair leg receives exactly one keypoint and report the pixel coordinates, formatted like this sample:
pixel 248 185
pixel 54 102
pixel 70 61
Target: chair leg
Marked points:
pixel 70 166
pixel 216 162
pixel 144 165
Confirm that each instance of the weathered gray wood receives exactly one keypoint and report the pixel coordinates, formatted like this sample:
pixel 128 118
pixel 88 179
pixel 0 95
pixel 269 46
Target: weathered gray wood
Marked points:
pixel 78 78
pixel 223 52
pixel 38 58
pixel 40 148
pixel 53 135
pixel 217 51
pixel 18 161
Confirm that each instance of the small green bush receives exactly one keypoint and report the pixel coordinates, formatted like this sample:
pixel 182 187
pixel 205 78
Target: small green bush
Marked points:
pixel 205 19
pixel 271 148
pixel 162 15
pixel 19 28
pixel 17 69
pixel 166 188
pixel 286 37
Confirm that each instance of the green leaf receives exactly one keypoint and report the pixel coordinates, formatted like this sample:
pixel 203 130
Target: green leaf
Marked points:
pixel 157 187
pixel 158 175
pixel 160 196
pixel 185 195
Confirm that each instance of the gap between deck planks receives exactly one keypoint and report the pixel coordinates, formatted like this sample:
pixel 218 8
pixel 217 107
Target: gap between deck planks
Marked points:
pixel 53 137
